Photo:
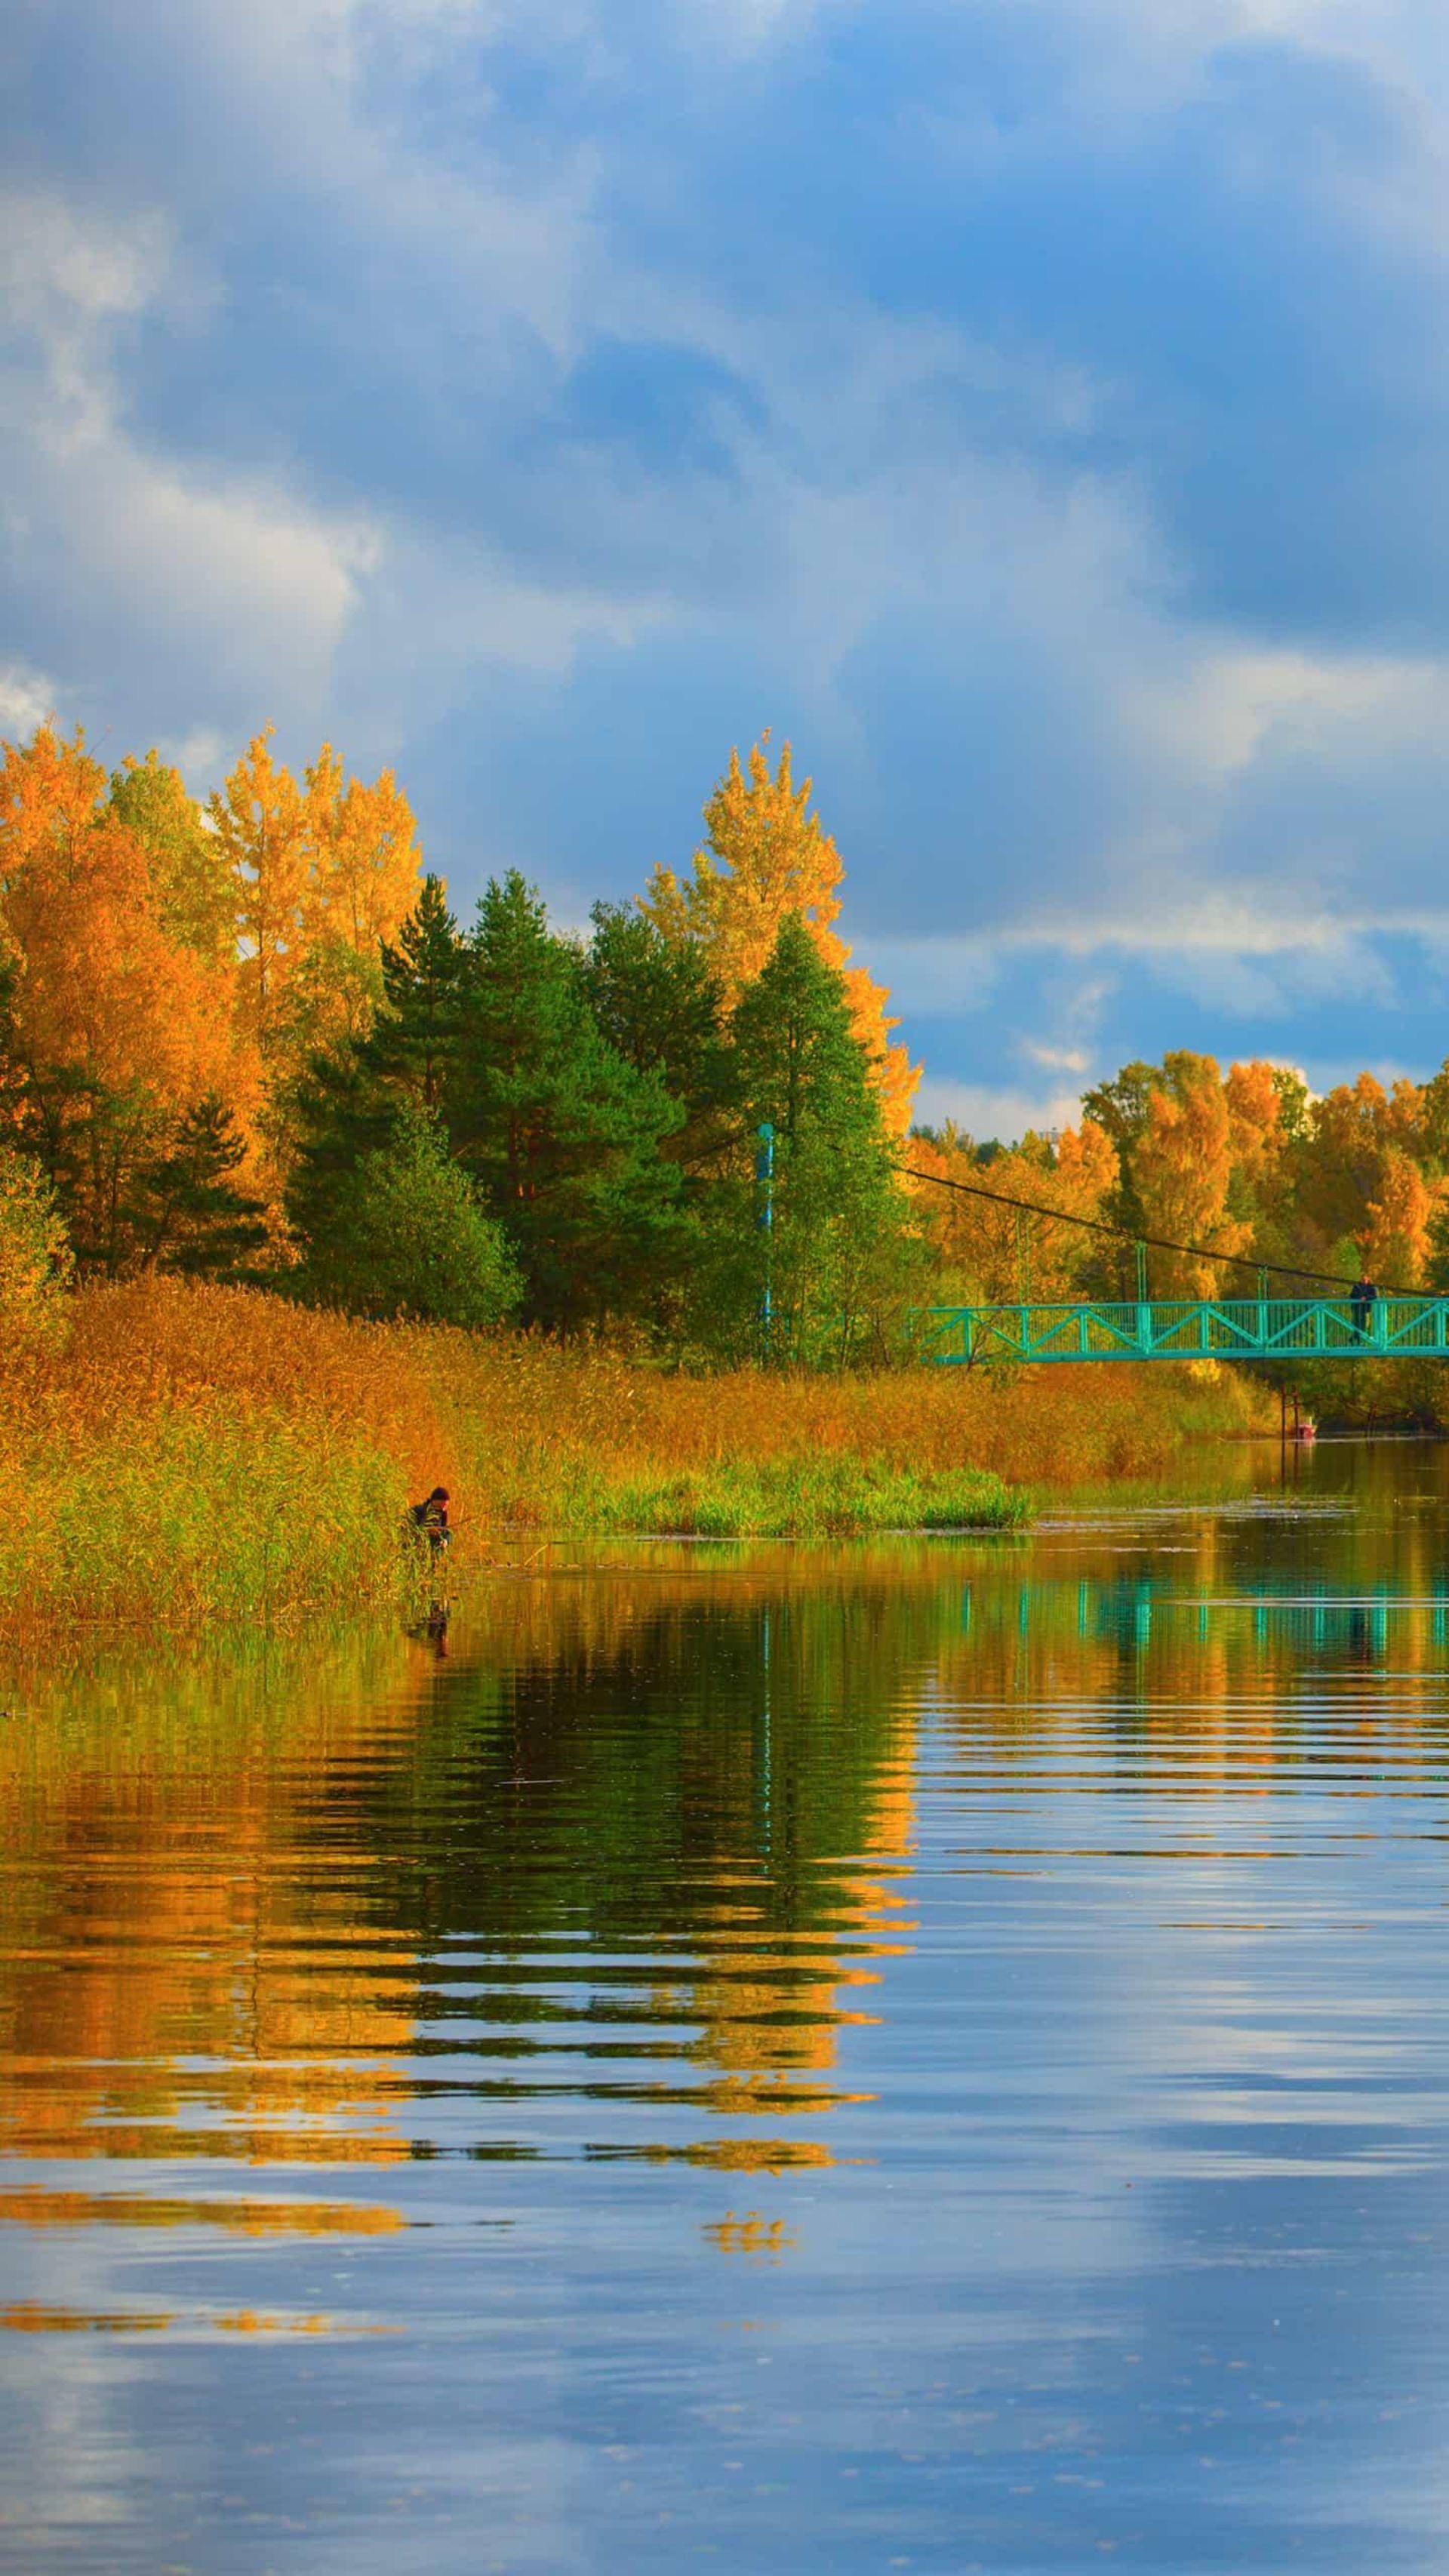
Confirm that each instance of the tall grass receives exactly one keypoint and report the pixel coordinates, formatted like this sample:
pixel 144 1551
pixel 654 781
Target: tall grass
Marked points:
pixel 200 1453
pixel 195 1453
pixel 543 1434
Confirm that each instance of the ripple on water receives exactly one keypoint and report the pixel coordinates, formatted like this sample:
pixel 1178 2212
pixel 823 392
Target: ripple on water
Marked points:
pixel 915 2056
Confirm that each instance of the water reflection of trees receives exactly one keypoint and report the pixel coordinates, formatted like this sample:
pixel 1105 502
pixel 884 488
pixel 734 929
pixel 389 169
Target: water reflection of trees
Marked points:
pixel 170 1980
pixel 640 1843
pixel 710 1796
pixel 241 1892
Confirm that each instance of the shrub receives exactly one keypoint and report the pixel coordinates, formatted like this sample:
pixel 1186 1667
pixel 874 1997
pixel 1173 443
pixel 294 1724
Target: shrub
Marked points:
pixel 35 1256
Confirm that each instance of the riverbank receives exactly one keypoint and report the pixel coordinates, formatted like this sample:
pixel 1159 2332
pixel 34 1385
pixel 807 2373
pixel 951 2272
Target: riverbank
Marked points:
pixel 192 1453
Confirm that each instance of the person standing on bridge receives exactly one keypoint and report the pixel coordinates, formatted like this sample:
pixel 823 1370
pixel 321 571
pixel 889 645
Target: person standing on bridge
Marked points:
pixel 1361 1302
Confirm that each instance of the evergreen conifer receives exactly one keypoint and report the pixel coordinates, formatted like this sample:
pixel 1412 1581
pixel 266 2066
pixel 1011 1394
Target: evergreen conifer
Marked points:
pixel 192 1216
pixel 562 1132
pixel 839 1250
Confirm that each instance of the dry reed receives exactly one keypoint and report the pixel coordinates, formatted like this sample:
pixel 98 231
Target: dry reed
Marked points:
pixel 196 1453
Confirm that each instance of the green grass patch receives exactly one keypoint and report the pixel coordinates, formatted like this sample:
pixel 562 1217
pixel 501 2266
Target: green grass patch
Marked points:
pixel 808 1498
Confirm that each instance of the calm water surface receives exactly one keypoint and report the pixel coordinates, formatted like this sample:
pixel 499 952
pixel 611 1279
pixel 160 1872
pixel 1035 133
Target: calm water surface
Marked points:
pixel 930 2056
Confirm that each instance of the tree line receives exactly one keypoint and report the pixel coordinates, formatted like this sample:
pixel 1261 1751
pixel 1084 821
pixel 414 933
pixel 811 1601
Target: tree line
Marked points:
pixel 1248 1164
pixel 250 1039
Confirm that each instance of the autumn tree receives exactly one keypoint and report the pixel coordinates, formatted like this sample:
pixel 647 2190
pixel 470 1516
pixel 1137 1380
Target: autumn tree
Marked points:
pixel 1434 1123
pixel 1181 1168
pixel 364 852
pixel 1120 1106
pixel 35 1255
pixel 1255 1125
pixel 766 858
pixel 194 884
pixel 111 1028
pixel 1339 1169
pixel 260 821
pixel 326 872
pixel 360 883
pixel 1394 1242
pixel 989 1252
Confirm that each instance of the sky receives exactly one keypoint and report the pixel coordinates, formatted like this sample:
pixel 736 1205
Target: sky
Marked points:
pixel 1034 410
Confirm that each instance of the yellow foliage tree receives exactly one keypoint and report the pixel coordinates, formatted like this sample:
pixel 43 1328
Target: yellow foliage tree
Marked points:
pixel 35 1254
pixel 363 864
pixel 192 876
pixel 364 855
pixel 1255 1122
pixel 766 856
pixel 1340 1166
pixel 260 820
pixel 114 1027
pixel 1394 1244
pixel 1181 1170
pixel 100 990
pixel 50 792
pixel 990 1252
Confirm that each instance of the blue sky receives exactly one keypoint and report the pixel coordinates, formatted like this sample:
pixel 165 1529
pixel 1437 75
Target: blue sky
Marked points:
pixel 1035 409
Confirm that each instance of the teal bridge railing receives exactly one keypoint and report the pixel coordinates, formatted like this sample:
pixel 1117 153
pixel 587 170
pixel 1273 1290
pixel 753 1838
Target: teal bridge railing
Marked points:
pixel 1226 1328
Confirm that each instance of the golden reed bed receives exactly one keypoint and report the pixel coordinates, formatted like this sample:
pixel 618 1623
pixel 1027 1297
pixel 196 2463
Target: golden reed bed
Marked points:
pixel 195 1452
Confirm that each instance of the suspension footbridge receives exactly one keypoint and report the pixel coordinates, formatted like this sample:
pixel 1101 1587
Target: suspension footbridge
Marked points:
pixel 1225 1328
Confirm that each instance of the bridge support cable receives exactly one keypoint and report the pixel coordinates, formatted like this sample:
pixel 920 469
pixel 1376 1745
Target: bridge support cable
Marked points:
pixel 1143 1243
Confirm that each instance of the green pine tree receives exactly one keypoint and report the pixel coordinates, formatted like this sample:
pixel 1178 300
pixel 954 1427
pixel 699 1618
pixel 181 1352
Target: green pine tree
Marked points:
pixel 415 1041
pixel 562 1132
pixel 345 1103
pixel 658 1001
pixel 409 1235
pixel 838 1257
pixel 191 1217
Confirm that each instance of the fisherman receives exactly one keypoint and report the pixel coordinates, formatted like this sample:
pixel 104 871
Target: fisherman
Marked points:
pixel 430 1520
pixel 1361 1302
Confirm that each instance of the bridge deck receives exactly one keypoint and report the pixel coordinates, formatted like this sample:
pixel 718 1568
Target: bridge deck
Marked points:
pixel 1241 1328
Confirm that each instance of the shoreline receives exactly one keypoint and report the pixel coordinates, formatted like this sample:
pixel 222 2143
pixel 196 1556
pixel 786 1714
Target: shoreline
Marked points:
pixel 191 1456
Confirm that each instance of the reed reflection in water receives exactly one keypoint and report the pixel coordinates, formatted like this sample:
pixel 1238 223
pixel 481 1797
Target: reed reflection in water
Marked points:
pixel 923 2055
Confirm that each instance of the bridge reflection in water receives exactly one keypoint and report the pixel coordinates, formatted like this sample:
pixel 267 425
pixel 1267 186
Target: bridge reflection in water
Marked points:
pixel 1243 1328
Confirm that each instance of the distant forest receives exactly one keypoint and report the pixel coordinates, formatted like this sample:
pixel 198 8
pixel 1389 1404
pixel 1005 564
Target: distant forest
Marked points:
pixel 250 1040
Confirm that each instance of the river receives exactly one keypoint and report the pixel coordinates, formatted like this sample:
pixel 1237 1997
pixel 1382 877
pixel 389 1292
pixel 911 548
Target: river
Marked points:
pixel 925 2056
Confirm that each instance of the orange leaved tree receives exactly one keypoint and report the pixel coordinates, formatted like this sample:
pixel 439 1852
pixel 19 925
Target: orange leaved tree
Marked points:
pixel 1393 1243
pixel 1182 1169
pixel 112 1028
pixel 990 1251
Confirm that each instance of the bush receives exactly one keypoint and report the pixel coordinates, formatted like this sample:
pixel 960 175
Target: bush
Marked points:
pixel 415 1239
pixel 35 1256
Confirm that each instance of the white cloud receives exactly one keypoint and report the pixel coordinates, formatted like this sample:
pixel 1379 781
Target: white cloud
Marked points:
pixel 747 26
pixel 1057 1059
pixel 52 262
pixel 201 756
pixel 1226 707
pixel 25 700
pixel 230 571
pixel 984 1110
